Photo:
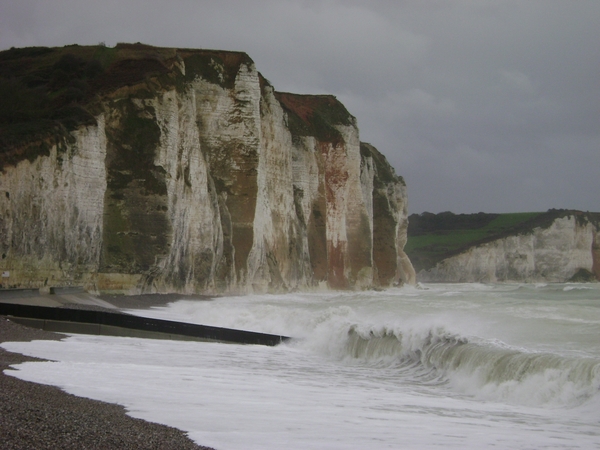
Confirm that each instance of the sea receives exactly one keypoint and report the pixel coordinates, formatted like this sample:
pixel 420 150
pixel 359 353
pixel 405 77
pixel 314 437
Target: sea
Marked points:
pixel 432 366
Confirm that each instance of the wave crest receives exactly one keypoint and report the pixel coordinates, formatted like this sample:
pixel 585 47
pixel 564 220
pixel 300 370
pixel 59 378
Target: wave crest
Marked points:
pixel 488 370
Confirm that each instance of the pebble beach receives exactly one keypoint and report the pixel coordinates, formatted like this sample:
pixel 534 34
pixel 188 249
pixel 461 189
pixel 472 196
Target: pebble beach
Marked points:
pixel 36 416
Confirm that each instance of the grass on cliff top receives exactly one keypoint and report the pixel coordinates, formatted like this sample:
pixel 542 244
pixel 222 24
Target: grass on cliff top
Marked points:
pixel 434 237
pixel 385 172
pixel 218 67
pixel 47 92
pixel 315 115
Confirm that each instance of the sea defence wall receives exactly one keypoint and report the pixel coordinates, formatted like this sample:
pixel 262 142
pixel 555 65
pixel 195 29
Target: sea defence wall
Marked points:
pixel 80 321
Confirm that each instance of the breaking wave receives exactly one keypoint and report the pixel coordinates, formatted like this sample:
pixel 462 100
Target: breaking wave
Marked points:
pixel 450 337
pixel 485 370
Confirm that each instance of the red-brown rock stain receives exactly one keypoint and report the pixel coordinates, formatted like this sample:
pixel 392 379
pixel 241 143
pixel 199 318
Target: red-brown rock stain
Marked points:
pixel 335 181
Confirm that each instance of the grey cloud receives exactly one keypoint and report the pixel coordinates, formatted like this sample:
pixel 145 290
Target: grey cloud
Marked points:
pixel 482 105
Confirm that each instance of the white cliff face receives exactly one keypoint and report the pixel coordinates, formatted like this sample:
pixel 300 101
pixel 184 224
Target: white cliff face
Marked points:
pixel 204 187
pixel 310 205
pixel 51 225
pixel 396 193
pixel 390 221
pixel 275 261
pixel 230 137
pixel 554 254
pixel 196 246
pixel 356 227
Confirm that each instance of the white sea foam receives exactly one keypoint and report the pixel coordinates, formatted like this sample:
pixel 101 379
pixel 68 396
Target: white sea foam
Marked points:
pixel 507 366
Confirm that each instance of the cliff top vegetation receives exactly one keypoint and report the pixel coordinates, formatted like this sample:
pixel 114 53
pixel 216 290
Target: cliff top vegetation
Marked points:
pixel 315 115
pixel 45 93
pixel 385 172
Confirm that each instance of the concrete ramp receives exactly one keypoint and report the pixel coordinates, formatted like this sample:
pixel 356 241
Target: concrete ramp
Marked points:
pixel 58 296
pixel 116 324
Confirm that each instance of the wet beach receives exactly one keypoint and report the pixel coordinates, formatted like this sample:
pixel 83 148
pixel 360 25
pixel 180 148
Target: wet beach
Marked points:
pixel 44 417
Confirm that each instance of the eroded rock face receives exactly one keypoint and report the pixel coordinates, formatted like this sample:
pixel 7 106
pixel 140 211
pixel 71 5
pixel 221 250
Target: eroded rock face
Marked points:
pixel 206 180
pixel 553 254
pixel 390 221
pixel 51 222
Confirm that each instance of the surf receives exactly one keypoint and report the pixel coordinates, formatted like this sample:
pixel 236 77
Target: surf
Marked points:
pixel 489 370
pixel 452 366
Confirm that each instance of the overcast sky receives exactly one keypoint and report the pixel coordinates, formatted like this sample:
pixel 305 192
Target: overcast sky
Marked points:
pixel 481 105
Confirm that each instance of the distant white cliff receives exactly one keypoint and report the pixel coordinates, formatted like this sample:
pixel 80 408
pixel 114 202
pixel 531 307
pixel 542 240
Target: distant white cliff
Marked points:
pixel 554 254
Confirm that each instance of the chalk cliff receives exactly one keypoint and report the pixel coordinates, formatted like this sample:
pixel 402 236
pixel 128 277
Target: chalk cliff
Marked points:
pixel 191 174
pixel 569 248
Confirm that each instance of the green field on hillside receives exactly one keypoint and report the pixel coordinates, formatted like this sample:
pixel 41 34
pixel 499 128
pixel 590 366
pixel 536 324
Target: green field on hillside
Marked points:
pixel 434 237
